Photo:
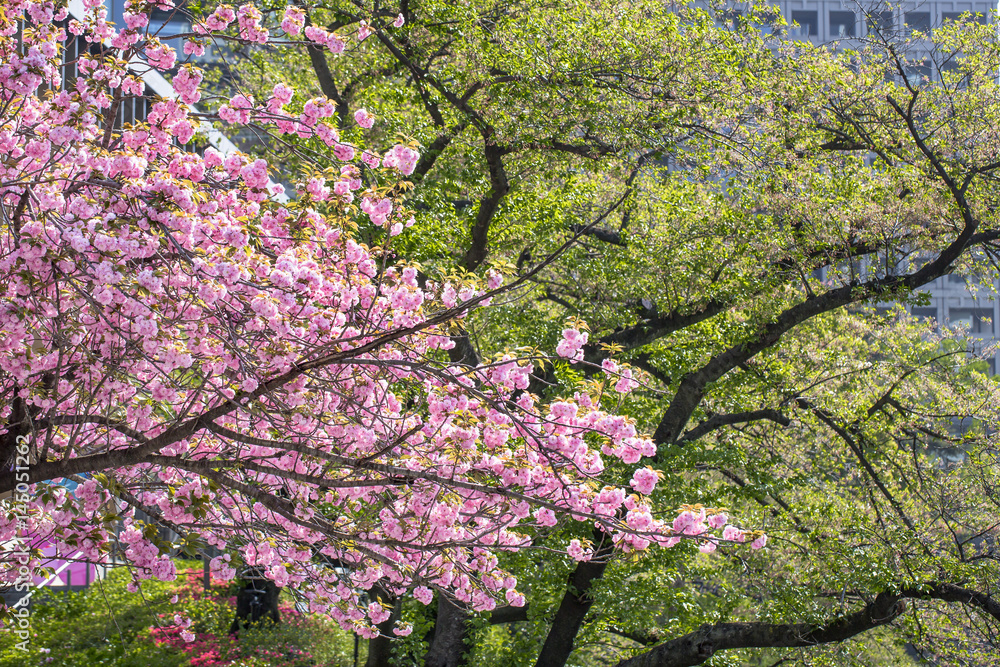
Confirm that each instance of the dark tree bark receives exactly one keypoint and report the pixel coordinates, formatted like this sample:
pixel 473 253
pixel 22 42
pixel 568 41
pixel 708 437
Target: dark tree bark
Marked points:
pixel 380 648
pixel 502 615
pixel 464 351
pixel 697 647
pixel 488 205
pixel 430 154
pixel 256 603
pixel 450 632
pixel 576 603
pixel 443 645
pixel 605 235
pixel 18 424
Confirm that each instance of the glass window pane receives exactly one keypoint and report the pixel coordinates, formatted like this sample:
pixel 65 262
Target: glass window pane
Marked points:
pixel 808 24
pixel 976 320
pixel 842 24
pixel 882 22
pixel 964 16
pixel 918 21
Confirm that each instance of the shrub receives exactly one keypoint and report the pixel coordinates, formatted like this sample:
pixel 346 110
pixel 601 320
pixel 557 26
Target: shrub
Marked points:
pixel 109 626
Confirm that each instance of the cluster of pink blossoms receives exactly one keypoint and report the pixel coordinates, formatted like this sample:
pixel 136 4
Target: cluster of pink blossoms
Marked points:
pixel 293 20
pixel 695 521
pixel 323 38
pixel 401 158
pixel 364 119
pixel 571 345
pixel 626 382
pixel 246 371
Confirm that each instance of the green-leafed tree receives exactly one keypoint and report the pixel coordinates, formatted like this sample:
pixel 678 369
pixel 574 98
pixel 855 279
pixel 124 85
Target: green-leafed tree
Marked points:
pixel 741 204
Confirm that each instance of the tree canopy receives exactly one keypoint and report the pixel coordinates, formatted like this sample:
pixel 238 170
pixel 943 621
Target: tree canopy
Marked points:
pixel 724 209
pixel 245 372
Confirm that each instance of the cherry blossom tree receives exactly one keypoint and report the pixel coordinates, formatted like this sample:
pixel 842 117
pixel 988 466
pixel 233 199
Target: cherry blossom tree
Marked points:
pixel 753 194
pixel 178 340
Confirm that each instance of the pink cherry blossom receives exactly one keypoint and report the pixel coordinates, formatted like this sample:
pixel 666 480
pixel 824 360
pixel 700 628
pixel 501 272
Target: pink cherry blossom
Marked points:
pixel 690 523
pixel 733 534
pixel 644 480
pixel 193 48
pixel 402 159
pixel 571 345
pixel 364 119
pixel 234 356
pixel 626 383
pixel 577 552
pixel 293 20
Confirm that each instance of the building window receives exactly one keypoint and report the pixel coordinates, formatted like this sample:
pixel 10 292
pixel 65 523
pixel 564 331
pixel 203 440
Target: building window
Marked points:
pixel 963 16
pixel 808 24
pixel 977 320
pixel 918 21
pixel 881 22
pixel 924 312
pixel 842 24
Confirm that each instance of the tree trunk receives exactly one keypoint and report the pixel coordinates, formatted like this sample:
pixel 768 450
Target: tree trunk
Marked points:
pixel 450 631
pixel 380 648
pixel 464 352
pixel 574 607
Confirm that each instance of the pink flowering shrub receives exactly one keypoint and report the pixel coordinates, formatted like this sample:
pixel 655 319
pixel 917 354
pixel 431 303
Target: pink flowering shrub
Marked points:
pixel 196 622
pixel 195 625
pixel 105 625
pixel 249 372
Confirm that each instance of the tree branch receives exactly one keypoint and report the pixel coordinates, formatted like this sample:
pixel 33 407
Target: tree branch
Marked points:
pixel 693 386
pixel 698 646
pixel 605 235
pixel 508 614
pixel 434 150
pixel 718 421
